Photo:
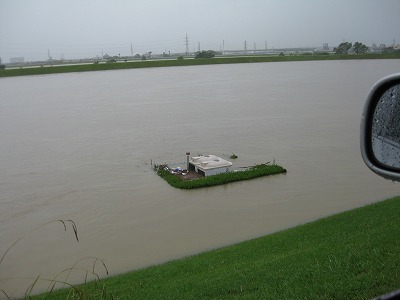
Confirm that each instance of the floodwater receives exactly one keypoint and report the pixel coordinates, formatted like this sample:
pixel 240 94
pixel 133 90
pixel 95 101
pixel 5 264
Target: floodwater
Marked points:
pixel 79 146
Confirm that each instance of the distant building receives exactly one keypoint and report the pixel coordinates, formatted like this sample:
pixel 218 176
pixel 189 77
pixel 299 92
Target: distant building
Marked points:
pixel 207 165
pixel 16 60
pixel 325 48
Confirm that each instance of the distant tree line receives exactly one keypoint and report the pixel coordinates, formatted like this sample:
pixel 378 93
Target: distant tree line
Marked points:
pixel 391 50
pixel 205 54
pixel 346 47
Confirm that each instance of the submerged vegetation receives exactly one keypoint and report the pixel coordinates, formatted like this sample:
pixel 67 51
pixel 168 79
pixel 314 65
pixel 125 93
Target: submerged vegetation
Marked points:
pixel 219 179
pixel 351 255
pixel 86 266
pixel 233 156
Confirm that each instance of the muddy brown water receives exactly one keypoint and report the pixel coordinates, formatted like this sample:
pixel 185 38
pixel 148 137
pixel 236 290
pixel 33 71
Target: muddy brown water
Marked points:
pixel 79 146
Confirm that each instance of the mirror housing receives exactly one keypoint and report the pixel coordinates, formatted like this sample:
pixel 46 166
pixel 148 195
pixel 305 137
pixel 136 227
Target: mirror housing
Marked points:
pixel 380 128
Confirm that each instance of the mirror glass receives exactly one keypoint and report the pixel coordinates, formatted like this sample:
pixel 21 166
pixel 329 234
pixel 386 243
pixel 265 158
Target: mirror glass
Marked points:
pixel 386 128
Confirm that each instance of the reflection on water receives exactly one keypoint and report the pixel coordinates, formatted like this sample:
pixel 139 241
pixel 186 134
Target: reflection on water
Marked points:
pixel 78 146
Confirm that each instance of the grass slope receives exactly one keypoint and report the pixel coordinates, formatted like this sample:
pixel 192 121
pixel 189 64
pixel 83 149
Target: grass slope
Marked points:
pixel 352 255
pixel 185 62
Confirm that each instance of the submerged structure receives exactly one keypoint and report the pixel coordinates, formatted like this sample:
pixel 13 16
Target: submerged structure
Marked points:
pixel 208 165
pixel 199 171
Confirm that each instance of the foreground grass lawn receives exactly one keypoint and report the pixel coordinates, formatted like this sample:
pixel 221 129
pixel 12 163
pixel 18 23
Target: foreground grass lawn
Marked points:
pixel 352 255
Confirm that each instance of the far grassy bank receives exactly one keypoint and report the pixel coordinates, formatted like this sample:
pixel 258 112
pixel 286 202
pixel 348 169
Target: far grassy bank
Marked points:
pixel 184 62
pixel 352 255
pixel 224 178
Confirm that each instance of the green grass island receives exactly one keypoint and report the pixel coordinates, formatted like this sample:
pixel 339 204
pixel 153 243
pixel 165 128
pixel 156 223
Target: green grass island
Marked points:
pixel 210 170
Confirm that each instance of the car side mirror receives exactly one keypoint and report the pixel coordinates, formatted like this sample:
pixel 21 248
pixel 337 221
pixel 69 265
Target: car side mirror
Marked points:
pixel 380 128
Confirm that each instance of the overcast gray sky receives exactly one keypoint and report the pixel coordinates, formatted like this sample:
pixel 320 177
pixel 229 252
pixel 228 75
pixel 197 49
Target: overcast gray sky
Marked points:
pixel 86 28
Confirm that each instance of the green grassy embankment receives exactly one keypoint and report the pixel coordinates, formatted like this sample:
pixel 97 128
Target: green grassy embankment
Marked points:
pixel 184 62
pixel 224 178
pixel 351 255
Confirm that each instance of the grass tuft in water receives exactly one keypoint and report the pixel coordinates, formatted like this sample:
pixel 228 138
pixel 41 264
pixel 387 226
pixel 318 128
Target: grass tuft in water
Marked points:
pixel 233 156
pixel 61 280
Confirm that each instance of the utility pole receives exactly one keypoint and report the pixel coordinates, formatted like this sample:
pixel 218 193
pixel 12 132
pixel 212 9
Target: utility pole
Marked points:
pixel 187 45
pixel 245 47
pixel 131 51
pixel 223 47
pixel 198 46
pixel 254 48
pixel 48 53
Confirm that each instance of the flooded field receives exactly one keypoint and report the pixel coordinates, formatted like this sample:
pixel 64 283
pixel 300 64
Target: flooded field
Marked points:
pixel 79 146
